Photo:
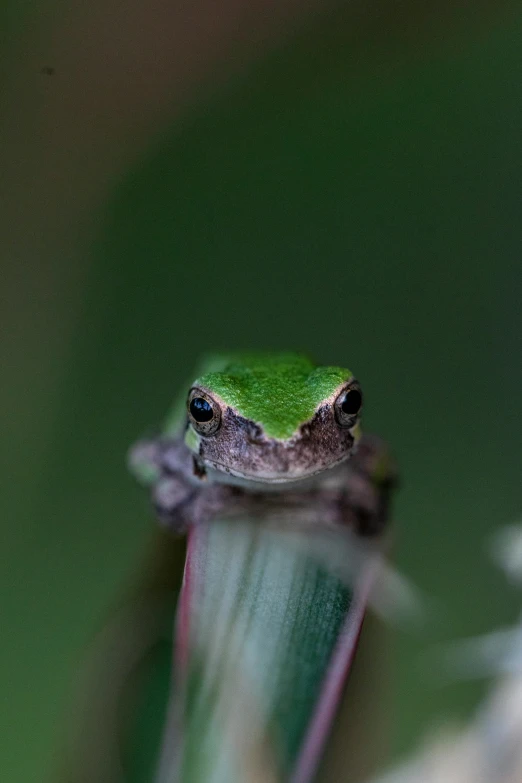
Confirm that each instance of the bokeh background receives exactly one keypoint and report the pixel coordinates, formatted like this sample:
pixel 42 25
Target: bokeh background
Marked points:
pixel 339 178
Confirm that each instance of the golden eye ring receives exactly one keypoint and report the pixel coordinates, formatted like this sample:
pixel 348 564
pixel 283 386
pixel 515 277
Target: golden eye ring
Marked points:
pixel 348 405
pixel 204 413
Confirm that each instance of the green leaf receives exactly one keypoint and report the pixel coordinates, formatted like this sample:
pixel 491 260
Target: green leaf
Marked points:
pixel 266 633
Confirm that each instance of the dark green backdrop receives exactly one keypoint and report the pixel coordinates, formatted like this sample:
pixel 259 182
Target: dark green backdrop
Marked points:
pixel 356 198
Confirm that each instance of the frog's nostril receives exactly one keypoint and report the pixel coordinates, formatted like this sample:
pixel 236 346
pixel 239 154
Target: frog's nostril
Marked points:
pixel 255 435
pixel 255 440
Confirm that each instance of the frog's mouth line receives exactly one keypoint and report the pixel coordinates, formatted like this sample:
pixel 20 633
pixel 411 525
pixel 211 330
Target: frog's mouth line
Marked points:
pixel 222 472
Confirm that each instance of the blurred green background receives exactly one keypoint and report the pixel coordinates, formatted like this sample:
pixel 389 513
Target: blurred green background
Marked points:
pixel 344 181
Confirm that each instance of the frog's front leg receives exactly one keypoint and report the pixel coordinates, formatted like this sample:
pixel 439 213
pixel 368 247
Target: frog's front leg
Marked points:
pixel 179 492
pixel 371 477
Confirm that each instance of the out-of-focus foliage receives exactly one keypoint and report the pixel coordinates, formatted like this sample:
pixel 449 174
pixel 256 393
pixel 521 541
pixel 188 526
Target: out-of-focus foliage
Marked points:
pixel 489 748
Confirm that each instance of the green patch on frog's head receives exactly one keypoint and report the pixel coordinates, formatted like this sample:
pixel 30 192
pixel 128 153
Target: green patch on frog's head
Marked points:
pixel 274 417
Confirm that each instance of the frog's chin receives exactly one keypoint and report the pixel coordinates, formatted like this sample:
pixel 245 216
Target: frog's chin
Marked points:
pixel 264 482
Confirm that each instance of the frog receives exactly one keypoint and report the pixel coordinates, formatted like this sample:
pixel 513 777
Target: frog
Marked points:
pixel 271 436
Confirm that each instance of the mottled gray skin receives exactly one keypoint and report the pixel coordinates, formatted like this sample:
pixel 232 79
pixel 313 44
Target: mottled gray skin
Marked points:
pixel 242 449
pixel 355 494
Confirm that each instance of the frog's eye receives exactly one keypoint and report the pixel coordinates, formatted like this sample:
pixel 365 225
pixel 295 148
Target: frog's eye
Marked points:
pixel 347 406
pixel 204 412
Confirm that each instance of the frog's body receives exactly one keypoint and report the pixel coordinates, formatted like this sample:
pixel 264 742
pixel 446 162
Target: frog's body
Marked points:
pixel 254 423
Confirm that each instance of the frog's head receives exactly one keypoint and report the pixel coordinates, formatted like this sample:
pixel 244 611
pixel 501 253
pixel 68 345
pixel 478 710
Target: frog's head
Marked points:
pixel 273 419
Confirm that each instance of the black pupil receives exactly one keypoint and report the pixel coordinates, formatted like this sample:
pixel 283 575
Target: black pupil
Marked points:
pixel 352 402
pixel 200 409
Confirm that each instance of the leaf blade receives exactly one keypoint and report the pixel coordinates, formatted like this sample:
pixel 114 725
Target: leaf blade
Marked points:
pixel 265 638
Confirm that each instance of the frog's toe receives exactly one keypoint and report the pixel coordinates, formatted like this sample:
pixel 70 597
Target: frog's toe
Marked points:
pixel 144 461
pixel 169 496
